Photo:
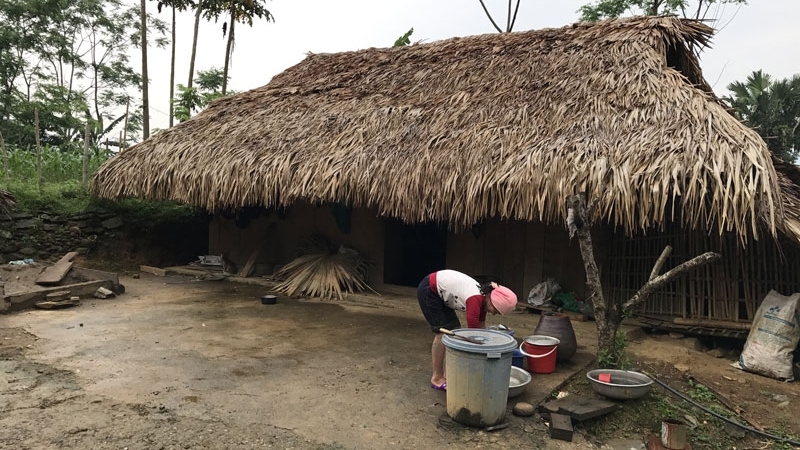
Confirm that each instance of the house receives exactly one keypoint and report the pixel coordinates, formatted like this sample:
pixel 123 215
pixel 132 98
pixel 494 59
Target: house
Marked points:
pixel 461 153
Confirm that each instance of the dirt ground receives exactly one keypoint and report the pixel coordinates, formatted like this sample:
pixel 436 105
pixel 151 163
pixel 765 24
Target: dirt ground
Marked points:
pixel 176 363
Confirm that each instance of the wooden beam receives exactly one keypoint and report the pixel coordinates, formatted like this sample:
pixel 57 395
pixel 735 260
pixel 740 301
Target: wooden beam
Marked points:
pixel 153 270
pixel 25 300
pixel 252 260
pixel 84 274
pixel 55 273
pixel 560 427
pixel 742 326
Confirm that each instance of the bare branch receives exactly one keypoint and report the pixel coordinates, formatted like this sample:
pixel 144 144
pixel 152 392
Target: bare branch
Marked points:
pixel 660 262
pixel 657 282
pixel 490 17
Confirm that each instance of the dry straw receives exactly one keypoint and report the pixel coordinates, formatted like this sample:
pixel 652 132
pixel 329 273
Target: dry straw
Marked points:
pixel 499 125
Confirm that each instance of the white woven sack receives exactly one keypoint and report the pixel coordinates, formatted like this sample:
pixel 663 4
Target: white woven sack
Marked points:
pixel 773 337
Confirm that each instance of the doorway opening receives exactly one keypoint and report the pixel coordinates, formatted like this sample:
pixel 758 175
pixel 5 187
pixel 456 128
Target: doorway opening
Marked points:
pixel 413 251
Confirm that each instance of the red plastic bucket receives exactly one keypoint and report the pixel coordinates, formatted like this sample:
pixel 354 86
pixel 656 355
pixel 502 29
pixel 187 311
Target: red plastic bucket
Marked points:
pixel 540 352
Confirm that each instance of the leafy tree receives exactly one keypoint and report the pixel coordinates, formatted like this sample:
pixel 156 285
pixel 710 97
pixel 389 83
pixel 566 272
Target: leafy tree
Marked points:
pixel 243 11
pixel 68 59
pixel 190 100
pixel 145 78
pixel 510 18
pixel 174 5
pixel 699 9
pixel 772 108
pixel 404 39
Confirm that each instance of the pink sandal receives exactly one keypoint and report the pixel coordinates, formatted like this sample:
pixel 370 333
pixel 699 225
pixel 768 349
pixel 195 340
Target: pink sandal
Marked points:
pixel 442 387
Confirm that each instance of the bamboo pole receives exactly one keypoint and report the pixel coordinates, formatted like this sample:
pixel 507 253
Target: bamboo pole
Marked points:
pixel 38 147
pixel 5 156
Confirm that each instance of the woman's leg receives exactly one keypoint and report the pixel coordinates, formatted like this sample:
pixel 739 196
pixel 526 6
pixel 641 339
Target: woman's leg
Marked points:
pixel 437 360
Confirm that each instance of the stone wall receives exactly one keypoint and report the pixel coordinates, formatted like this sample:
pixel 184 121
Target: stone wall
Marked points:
pixel 45 236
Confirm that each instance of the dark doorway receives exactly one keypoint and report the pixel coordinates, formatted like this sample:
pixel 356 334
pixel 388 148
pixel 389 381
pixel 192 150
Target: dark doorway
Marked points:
pixel 413 251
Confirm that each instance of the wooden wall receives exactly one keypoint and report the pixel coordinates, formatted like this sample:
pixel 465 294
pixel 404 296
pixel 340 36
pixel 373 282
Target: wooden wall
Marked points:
pixel 281 236
pixel 517 254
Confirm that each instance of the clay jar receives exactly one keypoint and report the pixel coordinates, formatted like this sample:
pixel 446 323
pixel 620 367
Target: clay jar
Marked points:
pixel 559 326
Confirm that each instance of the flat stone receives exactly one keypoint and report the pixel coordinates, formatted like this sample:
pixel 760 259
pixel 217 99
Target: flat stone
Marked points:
pixel 625 444
pixel 27 251
pixel 734 431
pixel 780 398
pixel 783 404
pixel 110 224
pixel 25 224
pixel 676 335
pixel 716 353
pixel 20 215
pixel 682 367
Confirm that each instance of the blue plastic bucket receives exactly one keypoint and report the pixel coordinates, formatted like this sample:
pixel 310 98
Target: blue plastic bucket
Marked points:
pixel 517 358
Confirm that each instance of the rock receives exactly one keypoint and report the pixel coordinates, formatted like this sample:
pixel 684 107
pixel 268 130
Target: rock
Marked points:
pixel 25 224
pixel 682 367
pixel 676 335
pixel 523 409
pixel 20 215
pixel 27 251
pixel 783 404
pixel 625 444
pixel 734 431
pixel 691 421
pixel 6 234
pixel 104 293
pixel 716 353
pixel 110 224
pixel 780 398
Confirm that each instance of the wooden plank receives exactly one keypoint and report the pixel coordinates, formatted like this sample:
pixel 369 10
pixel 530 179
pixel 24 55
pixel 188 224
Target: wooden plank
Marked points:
pixel 578 407
pixel 84 274
pixel 25 300
pixel 252 260
pixel 153 270
pixel 55 273
pixel 712 323
pixel 58 304
pixel 57 296
pixel 560 427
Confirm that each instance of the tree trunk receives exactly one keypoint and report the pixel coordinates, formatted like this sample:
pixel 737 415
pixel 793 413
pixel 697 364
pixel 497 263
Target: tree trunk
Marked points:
pixel 38 148
pixel 194 45
pixel 145 79
pixel 228 50
pixel 85 171
pixel 5 156
pixel 609 315
pixel 172 73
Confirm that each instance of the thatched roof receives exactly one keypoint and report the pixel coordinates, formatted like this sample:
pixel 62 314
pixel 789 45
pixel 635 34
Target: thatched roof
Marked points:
pixel 499 125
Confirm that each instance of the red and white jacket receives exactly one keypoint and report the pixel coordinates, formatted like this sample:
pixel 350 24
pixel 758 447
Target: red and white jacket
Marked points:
pixel 461 293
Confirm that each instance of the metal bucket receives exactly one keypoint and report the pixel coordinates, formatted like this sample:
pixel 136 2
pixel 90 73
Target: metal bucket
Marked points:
pixel 673 434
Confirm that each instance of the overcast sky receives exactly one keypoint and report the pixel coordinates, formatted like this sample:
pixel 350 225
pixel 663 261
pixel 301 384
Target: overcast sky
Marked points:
pixel 761 35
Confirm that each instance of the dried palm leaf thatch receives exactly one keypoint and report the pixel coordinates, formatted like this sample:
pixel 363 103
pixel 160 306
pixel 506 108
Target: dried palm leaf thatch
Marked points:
pixel 324 271
pixel 7 201
pixel 499 125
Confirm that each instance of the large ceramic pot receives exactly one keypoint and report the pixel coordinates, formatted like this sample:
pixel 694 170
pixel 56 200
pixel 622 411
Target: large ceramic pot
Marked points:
pixel 559 326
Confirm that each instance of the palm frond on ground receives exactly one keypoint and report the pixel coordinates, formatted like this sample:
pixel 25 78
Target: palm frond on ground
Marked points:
pixel 324 270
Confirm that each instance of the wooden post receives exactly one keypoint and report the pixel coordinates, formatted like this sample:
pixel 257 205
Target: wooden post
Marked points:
pixel 85 177
pixel 124 139
pixel 38 147
pixel 5 156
